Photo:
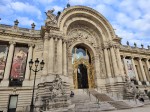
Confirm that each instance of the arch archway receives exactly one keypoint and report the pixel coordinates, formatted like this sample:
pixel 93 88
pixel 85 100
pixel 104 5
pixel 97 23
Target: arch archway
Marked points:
pixel 83 67
pixel 89 15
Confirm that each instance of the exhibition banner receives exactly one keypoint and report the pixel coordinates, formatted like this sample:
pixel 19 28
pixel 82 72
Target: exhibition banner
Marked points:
pixel 3 57
pixel 130 69
pixel 19 63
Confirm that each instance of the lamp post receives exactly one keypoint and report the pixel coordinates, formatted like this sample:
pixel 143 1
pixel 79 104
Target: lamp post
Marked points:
pixel 35 71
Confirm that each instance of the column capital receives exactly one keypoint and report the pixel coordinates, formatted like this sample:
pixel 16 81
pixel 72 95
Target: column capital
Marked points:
pixel 64 41
pixel 145 59
pixel 31 45
pixel 139 58
pixel 123 56
pixel 12 42
pixel 132 57
pixel 46 36
pixel 116 46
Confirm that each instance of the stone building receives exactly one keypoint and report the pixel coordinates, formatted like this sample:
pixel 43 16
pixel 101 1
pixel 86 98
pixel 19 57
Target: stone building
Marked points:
pixel 79 45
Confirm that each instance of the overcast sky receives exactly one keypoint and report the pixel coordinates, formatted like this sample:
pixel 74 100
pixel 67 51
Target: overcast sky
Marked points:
pixel 130 18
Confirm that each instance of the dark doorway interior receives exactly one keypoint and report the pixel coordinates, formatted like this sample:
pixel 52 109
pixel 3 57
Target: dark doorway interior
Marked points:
pixel 82 77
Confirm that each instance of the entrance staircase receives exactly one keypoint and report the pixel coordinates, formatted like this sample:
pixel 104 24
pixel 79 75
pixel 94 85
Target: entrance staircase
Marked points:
pixel 92 101
pixel 85 102
pixel 100 96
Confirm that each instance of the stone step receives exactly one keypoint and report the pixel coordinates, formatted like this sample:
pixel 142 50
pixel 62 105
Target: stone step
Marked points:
pixel 120 105
pixel 100 96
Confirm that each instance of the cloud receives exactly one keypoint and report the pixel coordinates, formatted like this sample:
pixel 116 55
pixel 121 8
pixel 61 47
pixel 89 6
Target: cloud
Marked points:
pixel 130 19
pixel 82 2
pixel 26 8
pixel 104 9
pixel 45 2
pixel 25 21
pixel 57 8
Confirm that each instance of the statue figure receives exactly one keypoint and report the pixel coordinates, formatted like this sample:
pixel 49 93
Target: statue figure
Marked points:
pixel 57 87
pixel 131 88
pixel 51 18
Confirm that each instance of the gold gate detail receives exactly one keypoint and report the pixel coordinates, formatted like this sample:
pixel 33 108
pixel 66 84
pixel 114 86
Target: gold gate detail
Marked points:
pixel 90 72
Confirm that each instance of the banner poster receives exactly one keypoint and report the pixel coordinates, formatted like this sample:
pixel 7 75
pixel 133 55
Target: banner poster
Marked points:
pixel 3 57
pixel 19 63
pixel 131 72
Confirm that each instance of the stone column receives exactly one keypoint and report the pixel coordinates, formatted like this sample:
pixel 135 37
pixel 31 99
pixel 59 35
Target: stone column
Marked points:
pixel 136 75
pixel 119 62
pixel 64 59
pixel 59 56
pixel 97 67
pixel 142 69
pixel 45 54
pixel 125 66
pixel 114 62
pixel 30 53
pixel 51 56
pixel 107 63
pixel 9 60
pixel 148 67
pixel 147 64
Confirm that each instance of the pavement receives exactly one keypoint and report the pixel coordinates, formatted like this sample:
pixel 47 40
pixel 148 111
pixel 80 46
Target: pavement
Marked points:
pixel 145 108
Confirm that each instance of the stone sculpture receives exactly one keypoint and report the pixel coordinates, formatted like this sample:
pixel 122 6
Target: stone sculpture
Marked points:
pixel 51 18
pixel 51 96
pixel 130 90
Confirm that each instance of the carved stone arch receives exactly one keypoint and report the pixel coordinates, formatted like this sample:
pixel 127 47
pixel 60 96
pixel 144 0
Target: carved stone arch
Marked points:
pixel 90 14
pixel 98 31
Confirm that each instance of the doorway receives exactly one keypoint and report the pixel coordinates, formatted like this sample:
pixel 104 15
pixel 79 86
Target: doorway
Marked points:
pixel 82 76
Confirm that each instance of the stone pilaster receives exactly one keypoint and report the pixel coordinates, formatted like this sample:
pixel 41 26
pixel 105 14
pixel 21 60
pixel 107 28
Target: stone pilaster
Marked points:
pixel 114 62
pixel 125 65
pixel 119 62
pixel 51 56
pixel 97 66
pixel 147 64
pixel 135 71
pixel 142 69
pixel 107 63
pixel 64 59
pixel 5 81
pixel 9 60
pixel 148 67
pixel 45 54
pixel 30 54
pixel 59 56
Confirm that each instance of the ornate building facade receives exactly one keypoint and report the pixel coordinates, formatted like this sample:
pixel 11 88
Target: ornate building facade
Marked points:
pixel 79 45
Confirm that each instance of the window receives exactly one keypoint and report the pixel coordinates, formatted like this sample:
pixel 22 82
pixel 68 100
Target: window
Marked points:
pixel 13 99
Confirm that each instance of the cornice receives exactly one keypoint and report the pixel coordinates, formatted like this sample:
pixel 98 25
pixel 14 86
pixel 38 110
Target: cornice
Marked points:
pixel 130 49
pixel 19 35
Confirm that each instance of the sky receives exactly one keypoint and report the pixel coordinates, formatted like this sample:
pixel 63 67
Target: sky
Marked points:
pixel 129 18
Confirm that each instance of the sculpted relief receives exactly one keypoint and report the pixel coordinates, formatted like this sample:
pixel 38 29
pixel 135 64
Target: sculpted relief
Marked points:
pixel 82 34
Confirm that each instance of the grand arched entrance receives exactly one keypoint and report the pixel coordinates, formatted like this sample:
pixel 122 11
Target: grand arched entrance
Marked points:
pixel 83 70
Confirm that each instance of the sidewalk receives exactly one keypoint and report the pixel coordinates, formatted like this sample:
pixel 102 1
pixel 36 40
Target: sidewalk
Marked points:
pixel 145 108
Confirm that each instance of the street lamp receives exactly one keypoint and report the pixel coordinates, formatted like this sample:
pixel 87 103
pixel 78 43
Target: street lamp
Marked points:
pixel 35 71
